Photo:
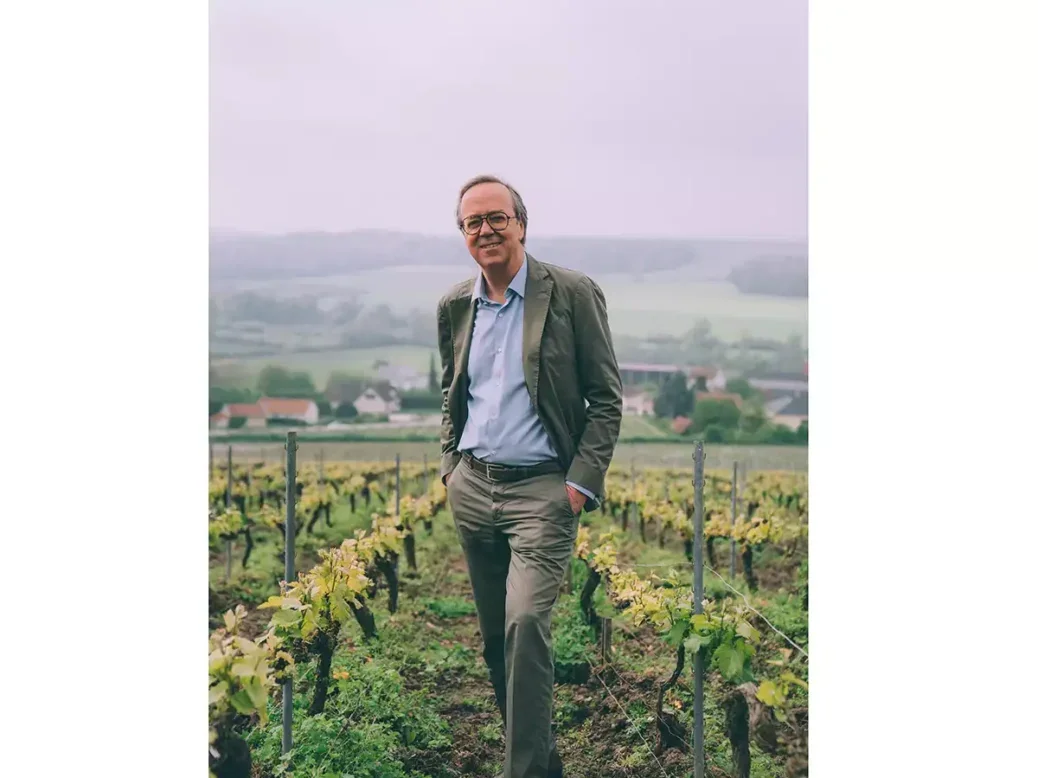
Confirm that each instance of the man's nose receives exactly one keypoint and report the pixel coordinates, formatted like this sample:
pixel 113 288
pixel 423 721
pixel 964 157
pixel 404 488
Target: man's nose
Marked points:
pixel 484 228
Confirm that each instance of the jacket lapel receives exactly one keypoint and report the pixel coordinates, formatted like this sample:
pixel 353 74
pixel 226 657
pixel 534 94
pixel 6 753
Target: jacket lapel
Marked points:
pixel 535 312
pixel 463 314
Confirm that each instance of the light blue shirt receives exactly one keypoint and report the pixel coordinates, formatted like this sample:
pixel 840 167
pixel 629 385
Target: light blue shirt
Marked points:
pixel 503 426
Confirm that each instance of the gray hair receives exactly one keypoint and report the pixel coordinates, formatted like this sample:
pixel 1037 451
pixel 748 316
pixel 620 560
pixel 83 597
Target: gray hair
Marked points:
pixel 517 201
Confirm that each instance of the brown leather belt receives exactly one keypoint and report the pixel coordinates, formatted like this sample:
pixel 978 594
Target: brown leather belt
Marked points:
pixel 508 473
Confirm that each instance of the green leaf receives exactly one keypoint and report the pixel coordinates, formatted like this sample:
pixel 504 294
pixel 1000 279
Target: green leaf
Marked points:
pixel 677 632
pixel 770 694
pixel 244 668
pixel 787 676
pixel 287 618
pixel 242 702
pixel 695 642
pixel 746 630
pixel 257 694
pixel 700 622
pixel 729 662
pixel 217 692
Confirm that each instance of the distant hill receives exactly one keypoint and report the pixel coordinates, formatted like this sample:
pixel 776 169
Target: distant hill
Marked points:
pixel 243 256
pixel 784 276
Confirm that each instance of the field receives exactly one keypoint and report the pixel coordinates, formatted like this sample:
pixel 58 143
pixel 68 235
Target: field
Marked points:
pixel 412 700
pixel 793 458
pixel 664 302
pixel 321 364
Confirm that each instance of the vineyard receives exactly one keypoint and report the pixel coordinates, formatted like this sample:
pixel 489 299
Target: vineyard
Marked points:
pixel 372 643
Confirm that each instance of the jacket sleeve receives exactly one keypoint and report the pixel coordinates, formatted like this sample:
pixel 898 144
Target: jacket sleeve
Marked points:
pixel 449 456
pixel 601 386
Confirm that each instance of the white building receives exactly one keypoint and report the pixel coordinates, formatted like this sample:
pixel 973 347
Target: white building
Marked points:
pixel 640 404
pixel 289 409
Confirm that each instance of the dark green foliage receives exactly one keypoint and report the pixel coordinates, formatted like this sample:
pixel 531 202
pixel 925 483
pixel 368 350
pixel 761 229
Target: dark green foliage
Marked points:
pixel 346 411
pixel 275 381
pixel 450 607
pixel 674 398
pixel 720 413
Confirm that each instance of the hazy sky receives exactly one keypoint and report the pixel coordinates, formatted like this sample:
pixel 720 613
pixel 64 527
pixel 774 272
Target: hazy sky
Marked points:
pixel 680 118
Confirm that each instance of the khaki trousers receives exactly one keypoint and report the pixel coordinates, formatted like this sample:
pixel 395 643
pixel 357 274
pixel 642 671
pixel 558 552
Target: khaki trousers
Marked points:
pixel 518 539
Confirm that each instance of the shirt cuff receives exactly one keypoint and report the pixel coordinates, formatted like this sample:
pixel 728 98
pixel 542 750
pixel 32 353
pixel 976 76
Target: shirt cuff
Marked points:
pixel 592 501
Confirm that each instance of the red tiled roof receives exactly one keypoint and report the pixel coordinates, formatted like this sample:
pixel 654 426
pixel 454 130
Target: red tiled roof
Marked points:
pixel 680 424
pixel 243 410
pixel 283 406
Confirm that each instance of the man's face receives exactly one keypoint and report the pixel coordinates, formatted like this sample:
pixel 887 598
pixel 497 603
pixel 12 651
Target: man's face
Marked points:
pixel 490 247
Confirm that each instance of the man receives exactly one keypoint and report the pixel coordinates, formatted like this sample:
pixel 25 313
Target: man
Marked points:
pixel 532 402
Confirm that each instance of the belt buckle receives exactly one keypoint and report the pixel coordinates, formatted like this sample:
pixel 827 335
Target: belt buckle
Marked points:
pixel 484 468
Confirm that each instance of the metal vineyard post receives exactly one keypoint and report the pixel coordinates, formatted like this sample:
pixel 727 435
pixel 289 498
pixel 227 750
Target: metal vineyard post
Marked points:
pixel 699 762
pixel 290 574
pixel 735 490
pixel 227 504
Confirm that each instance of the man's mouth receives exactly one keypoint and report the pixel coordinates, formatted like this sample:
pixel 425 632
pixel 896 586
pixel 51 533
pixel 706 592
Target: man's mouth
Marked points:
pixel 490 245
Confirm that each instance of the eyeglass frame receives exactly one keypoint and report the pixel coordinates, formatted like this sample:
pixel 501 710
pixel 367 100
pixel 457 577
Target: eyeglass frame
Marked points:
pixel 485 217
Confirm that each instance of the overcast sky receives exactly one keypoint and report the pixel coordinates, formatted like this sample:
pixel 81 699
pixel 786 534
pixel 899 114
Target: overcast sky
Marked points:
pixel 681 118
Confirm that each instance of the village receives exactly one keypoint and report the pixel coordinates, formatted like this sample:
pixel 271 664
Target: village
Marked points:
pixel 398 397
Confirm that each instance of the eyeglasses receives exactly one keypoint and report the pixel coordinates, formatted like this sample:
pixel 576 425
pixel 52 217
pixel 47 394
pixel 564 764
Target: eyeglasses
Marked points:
pixel 498 221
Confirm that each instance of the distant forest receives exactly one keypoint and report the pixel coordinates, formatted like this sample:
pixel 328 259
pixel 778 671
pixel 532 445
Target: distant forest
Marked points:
pixel 784 276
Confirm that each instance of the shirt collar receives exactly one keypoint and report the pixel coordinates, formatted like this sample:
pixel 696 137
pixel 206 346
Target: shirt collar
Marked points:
pixel 518 284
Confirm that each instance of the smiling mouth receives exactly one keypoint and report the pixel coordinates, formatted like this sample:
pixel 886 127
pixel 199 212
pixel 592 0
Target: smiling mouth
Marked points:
pixel 490 245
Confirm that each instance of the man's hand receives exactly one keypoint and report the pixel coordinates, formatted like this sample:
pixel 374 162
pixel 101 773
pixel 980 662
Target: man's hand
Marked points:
pixel 576 499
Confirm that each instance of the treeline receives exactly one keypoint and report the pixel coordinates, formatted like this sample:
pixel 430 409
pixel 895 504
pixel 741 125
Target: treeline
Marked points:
pixel 355 325
pixel 722 420
pixel 781 276
pixel 300 255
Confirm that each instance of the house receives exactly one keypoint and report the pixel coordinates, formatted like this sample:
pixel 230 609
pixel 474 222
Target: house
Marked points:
pixel 253 414
pixel 788 411
pixel 778 384
pixel 288 409
pixel 644 373
pixel 379 398
pixel 641 373
pixel 639 404
pixel 344 390
pixel 404 378
pixel 723 396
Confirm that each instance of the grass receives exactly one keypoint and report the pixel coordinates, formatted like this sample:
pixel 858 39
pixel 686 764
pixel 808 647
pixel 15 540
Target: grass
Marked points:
pixel 641 426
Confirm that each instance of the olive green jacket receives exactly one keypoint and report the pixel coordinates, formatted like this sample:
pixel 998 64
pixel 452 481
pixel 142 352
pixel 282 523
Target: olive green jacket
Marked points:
pixel 568 358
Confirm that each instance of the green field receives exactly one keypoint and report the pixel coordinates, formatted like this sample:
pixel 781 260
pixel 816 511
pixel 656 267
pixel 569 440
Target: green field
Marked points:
pixel 664 302
pixel 320 365
pixel 676 455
